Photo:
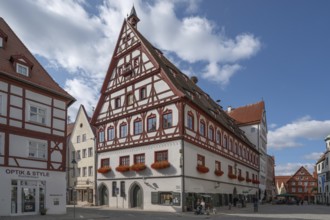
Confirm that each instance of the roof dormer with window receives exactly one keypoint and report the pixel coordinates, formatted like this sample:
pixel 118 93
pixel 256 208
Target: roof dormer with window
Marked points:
pixel 21 64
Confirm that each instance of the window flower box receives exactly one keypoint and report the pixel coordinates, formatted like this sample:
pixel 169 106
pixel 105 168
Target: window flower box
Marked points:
pixel 240 178
pixel 160 165
pixel 218 172
pixel 232 176
pixel 248 180
pixel 138 167
pixel 122 168
pixel 103 170
pixel 202 169
pixel 255 181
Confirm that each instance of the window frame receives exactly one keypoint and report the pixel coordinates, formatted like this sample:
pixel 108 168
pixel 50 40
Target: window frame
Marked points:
pixel 90 171
pixel 139 157
pixel 217 165
pixel 190 120
pixel 200 160
pixel 20 67
pixel 39 148
pixel 211 133
pixel 101 136
pixel 143 93
pixel 105 162
pixel 202 128
pixel 124 160
pixel 138 126
pixel 153 123
pixel 111 133
pixel 167 119
pixel 90 151
pixel 129 99
pixel 39 117
pixel 161 156
pixel 123 132
pixel 117 101
pixel 218 137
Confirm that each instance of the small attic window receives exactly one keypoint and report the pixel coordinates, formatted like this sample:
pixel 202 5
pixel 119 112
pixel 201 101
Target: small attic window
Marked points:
pixel 22 69
pixel 3 39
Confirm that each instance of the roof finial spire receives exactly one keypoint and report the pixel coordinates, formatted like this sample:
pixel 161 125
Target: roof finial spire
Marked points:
pixel 133 19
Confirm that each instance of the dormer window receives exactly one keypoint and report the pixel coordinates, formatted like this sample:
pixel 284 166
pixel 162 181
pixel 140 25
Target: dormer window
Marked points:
pixel 22 69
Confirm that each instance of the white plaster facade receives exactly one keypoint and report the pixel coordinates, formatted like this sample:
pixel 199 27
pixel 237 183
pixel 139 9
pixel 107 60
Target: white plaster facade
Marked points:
pixel 323 175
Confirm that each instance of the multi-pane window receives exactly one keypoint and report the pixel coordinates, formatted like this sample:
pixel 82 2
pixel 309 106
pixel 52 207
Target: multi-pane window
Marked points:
pixel 122 189
pixel 143 93
pixel 37 150
pixel 124 161
pixel 217 165
pixel 167 119
pixel 123 130
pixel 84 171
pixel 161 156
pixel 22 69
pixel 225 142
pixel 84 153
pixel 200 160
pixel 78 155
pixel 138 126
pixel 117 102
pixel 211 133
pixel 202 128
pixel 83 137
pixel 105 162
pixel 90 171
pixel 111 133
pixel 139 158
pixel 190 121
pixel 114 188
pixel 218 137
pixel 37 114
pixel 152 123
pixel 78 139
pixel 129 99
pixel 101 136
pixel 90 152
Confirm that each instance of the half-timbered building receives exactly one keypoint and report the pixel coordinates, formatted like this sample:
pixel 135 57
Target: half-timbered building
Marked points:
pixel 33 111
pixel 162 142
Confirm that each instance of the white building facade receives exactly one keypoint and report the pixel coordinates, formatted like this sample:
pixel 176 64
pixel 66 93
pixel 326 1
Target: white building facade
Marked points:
pixel 81 149
pixel 162 142
pixel 323 175
pixel 33 110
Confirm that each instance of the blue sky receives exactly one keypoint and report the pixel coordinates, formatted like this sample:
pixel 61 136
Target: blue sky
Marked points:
pixel 242 52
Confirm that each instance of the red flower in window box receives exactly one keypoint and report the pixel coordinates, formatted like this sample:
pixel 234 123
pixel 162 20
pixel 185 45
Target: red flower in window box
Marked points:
pixel 104 169
pixel 255 181
pixel 122 168
pixel 160 165
pixel 248 180
pixel 218 172
pixel 202 169
pixel 240 178
pixel 138 167
pixel 232 176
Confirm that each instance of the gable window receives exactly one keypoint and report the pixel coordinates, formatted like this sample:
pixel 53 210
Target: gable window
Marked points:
pixel 129 99
pixel 190 121
pixel 124 161
pixel 78 155
pixel 218 137
pixel 143 93
pixel 101 136
pixel 139 158
pixel 84 153
pixel 167 119
pixel 211 133
pixel 123 130
pixel 202 128
pixel 22 69
pixel 78 139
pixel 200 160
pixel 111 133
pixel 37 114
pixel 83 137
pixel 137 126
pixel 161 156
pixel 37 150
pixel 152 123
pixel 117 102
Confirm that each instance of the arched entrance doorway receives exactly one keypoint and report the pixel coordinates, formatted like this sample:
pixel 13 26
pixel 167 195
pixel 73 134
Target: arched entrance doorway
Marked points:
pixel 136 196
pixel 104 195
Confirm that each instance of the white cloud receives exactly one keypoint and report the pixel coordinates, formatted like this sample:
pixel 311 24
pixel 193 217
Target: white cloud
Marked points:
pixel 313 156
pixel 303 128
pixel 289 169
pixel 71 37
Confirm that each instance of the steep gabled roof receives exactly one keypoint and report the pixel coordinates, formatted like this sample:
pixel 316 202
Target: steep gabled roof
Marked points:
pixel 190 90
pixel 38 77
pixel 249 114
pixel 302 168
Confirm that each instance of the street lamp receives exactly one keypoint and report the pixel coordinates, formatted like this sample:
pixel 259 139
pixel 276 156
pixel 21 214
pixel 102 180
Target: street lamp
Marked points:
pixel 74 162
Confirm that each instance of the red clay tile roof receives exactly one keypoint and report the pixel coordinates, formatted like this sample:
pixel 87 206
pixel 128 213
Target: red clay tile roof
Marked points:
pixel 38 77
pixel 249 114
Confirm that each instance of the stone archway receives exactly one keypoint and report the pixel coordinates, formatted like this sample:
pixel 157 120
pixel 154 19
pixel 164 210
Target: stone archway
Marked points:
pixel 103 195
pixel 136 196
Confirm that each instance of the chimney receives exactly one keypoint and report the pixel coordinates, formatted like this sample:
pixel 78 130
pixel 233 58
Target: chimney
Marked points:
pixel 229 109
pixel 194 79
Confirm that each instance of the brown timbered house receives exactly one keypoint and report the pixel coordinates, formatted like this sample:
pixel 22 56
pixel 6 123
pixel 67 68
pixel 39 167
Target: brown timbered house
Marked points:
pixel 162 142
pixel 33 111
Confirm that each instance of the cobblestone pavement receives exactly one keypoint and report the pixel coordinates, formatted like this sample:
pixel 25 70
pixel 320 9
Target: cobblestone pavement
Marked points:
pixel 268 212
